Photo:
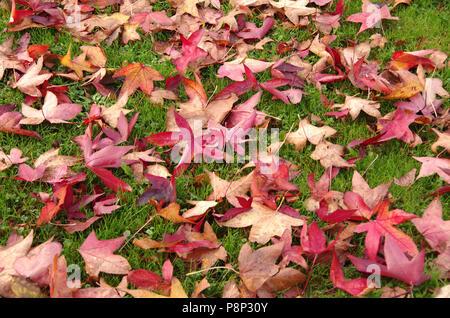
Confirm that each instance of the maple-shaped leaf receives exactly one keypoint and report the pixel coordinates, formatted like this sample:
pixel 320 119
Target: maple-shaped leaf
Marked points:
pixel 383 225
pixel 244 110
pixel 287 279
pixel 370 196
pixel 330 155
pixel 405 61
pixel 56 165
pixel 37 50
pixel 137 76
pixel 240 87
pixel 371 15
pixel 124 129
pixel 266 223
pixel 189 50
pixel 14 249
pixel 256 267
pixel 79 64
pixel 36 264
pixel 99 257
pixel 51 111
pixel 356 287
pixel 231 190
pixel 275 177
pixel 251 32
pixel 145 279
pixel 160 190
pixel 53 206
pixel 398 265
pixel 15 157
pixel 201 207
pixel 10 123
pixel 18 15
pixel 307 132
pixel 314 240
pixel 189 244
pixel 30 81
pixel 78 226
pixel 109 156
pixel 290 96
pixel 294 9
pixel 235 70
pixel 432 226
pixel 354 105
pixel 407 180
pixel 431 165
pixel 27 173
pixel 172 213
pixel 433 87
pixel 398 127
pixel 291 253
pixel 246 205
pixel 110 180
pixel 403 84
pixel 336 216
pixel 150 20
pixel 208 254
pixel 365 76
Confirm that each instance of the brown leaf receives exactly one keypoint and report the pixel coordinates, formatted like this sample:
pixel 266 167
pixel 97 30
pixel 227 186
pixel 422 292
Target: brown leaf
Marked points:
pixel 201 207
pixel 284 279
pixel 199 287
pixel 256 267
pixel 307 132
pixel 230 190
pixel 266 223
pixel 330 155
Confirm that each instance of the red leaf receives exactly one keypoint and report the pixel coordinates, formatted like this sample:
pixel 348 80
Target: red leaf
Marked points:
pixel 9 123
pixel 354 287
pixel 142 278
pixel 404 61
pixel 110 180
pixel 18 15
pixel 189 50
pixel 334 217
pixel 398 265
pixel 239 88
pixel 49 211
pixel 384 226
pixel 251 32
pixel 315 241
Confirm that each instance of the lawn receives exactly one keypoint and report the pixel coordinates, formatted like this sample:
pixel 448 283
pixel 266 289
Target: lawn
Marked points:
pixel 421 25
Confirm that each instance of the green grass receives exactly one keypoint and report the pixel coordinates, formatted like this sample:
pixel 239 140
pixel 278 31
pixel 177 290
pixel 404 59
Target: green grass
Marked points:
pixel 423 25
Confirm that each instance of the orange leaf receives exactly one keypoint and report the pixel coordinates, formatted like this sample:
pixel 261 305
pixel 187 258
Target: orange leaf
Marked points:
pixel 78 65
pixel 137 76
pixel 172 213
pixel 49 211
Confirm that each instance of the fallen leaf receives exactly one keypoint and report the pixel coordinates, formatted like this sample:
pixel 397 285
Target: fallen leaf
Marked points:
pixel 99 257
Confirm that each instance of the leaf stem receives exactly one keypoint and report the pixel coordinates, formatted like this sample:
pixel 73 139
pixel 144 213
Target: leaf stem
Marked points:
pixel 310 272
